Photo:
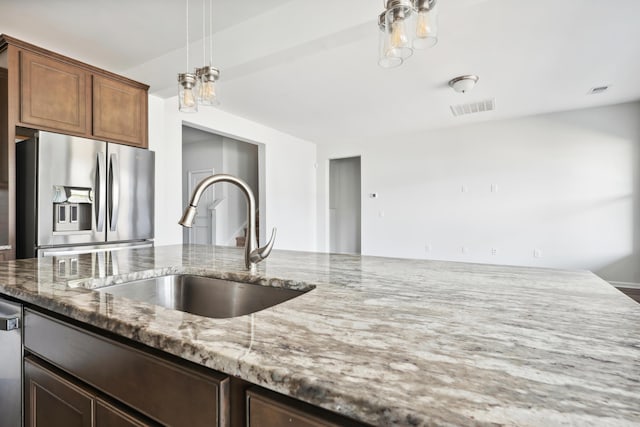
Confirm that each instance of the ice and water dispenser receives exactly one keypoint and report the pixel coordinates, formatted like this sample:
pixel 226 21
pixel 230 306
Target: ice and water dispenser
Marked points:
pixel 72 208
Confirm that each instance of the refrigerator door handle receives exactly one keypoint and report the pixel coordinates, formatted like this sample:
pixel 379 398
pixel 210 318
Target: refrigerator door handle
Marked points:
pixel 114 184
pixel 9 323
pixel 101 197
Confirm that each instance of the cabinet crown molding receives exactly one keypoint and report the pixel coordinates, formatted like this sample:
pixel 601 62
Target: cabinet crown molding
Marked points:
pixel 6 40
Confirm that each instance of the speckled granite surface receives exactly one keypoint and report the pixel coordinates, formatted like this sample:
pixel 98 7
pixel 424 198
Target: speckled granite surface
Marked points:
pixel 385 341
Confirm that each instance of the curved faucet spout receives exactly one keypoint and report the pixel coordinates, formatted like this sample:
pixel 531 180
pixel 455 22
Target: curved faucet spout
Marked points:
pixel 259 254
pixel 252 253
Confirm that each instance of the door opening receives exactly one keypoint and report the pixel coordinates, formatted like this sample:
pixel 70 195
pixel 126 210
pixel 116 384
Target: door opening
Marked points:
pixel 203 230
pixel 222 210
pixel 345 205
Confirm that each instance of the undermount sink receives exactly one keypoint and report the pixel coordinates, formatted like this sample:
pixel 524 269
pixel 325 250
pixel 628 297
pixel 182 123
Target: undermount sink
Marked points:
pixel 204 296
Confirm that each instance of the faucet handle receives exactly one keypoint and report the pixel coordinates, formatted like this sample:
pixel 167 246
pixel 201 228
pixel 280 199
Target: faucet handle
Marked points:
pixel 259 254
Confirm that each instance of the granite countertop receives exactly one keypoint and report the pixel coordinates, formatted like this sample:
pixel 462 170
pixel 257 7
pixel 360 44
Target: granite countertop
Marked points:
pixel 384 341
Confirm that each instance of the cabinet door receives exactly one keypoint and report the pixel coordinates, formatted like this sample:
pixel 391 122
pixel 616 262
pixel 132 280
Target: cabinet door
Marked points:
pixel 53 94
pixel 108 415
pixel 52 401
pixel 119 112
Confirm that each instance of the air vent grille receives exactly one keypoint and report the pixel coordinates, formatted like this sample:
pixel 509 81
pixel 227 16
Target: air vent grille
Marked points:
pixel 473 107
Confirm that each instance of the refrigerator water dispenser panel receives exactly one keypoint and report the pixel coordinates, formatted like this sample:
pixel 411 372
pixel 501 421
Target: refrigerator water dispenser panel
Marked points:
pixel 72 207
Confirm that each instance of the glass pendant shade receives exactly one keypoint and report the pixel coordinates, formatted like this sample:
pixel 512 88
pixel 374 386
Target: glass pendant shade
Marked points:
pixel 207 90
pixel 384 59
pixel 399 24
pixel 426 35
pixel 187 93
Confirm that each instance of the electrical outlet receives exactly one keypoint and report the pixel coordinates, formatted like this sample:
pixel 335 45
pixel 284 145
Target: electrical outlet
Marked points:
pixel 494 251
pixel 537 253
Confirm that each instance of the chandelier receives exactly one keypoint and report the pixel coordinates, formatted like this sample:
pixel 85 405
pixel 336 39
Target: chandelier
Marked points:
pixel 405 26
pixel 199 88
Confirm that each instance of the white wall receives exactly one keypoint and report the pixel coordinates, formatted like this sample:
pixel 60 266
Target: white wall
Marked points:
pixel 290 181
pixel 567 186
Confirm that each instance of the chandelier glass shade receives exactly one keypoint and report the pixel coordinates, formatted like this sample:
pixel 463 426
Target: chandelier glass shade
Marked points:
pixel 187 93
pixel 207 91
pixel 199 87
pixel 405 26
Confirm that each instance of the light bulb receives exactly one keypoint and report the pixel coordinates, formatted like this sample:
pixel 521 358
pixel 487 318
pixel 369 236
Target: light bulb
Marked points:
pixel 423 29
pixel 187 82
pixel 188 100
pixel 207 77
pixel 398 34
pixel 426 29
pixel 207 92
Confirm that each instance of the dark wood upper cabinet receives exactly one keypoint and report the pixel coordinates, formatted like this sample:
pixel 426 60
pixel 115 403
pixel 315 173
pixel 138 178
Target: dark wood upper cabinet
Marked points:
pixel 119 111
pixel 54 95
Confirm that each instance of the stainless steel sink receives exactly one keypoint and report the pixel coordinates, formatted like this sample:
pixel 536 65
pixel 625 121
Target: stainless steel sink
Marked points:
pixel 204 296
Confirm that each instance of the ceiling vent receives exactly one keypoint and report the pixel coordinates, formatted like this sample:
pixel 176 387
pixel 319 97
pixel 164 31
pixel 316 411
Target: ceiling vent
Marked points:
pixel 597 90
pixel 473 107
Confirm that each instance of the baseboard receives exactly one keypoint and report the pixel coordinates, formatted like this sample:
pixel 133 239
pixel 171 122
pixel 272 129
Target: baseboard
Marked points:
pixel 630 285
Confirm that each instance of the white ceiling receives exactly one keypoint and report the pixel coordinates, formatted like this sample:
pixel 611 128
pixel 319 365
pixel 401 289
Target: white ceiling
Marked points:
pixel 310 68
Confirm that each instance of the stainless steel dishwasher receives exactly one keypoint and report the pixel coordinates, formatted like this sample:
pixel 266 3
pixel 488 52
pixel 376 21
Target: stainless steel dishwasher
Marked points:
pixel 10 364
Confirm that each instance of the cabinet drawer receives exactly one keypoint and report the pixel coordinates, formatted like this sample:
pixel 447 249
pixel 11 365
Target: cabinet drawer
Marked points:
pixel 171 394
pixel 267 409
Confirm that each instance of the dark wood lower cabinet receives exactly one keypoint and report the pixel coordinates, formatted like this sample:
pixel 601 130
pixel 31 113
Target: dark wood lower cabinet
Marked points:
pixel 268 409
pixel 52 400
pixel 108 415
pixel 166 392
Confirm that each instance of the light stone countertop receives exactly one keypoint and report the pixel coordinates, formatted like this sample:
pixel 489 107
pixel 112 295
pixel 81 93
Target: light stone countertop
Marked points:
pixel 384 341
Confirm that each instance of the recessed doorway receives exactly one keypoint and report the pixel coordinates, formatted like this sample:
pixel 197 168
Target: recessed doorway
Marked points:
pixel 345 205
pixel 222 211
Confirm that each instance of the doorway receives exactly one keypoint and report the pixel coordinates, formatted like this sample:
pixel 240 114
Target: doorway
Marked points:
pixel 203 230
pixel 345 205
pixel 222 210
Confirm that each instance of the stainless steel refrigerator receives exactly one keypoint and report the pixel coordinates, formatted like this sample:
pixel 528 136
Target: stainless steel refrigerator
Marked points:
pixel 76 195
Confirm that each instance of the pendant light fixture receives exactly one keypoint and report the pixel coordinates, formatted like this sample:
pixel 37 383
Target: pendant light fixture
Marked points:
pixel 207 75
pixel 406 25
pixel 187 82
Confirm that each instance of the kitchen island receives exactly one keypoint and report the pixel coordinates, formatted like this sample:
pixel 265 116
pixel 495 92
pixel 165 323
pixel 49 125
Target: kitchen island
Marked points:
pixel 379 340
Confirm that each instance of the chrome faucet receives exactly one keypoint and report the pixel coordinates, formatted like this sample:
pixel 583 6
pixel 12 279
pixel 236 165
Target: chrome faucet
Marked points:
pixel 252 253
